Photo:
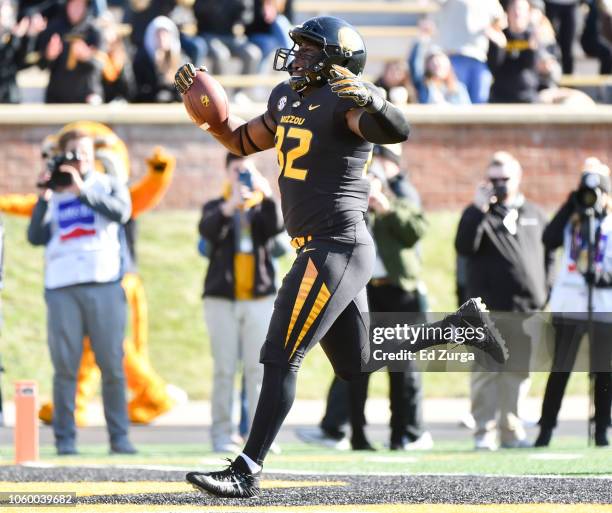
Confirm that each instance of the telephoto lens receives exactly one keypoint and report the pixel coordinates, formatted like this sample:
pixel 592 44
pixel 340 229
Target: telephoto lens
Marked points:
pixel 589 191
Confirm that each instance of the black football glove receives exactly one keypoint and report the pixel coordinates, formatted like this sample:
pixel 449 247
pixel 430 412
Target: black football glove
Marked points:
pixel 184 77
pixel 348 85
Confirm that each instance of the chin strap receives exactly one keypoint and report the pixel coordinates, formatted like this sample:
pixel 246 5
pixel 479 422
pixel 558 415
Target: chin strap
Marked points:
pixel 298 84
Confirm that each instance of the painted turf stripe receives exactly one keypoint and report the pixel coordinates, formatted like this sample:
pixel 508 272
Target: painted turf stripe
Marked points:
pixel 311 473
pixel 293 472
pixel 348 508
pixel 86 489
pixel 548 456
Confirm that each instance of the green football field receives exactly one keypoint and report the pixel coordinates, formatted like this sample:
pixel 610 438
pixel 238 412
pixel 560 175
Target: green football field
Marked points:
pixel 567 456
pixel 568 477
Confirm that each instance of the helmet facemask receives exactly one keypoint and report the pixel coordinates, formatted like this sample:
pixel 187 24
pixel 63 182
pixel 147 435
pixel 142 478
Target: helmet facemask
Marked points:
pixel 329 41
pixel 312 70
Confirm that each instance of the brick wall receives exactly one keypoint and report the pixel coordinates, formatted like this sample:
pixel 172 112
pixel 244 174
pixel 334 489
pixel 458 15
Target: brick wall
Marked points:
pixel 445 159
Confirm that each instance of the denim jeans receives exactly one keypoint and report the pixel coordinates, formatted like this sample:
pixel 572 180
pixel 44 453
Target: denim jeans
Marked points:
pixel 475 75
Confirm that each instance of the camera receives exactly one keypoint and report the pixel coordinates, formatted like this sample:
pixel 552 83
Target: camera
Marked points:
pixel 59 178
pixel 246 178
pixel 590 190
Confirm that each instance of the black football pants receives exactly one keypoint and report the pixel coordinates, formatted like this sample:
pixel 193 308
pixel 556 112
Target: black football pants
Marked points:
pixel 322 299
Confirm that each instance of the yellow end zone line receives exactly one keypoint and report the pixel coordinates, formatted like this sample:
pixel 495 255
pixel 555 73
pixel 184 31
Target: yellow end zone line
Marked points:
pixel 346 508
pixel 86 489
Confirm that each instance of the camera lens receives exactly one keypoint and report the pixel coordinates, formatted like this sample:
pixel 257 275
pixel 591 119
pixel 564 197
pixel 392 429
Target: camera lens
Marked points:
pixel 589 191
pixel 588 197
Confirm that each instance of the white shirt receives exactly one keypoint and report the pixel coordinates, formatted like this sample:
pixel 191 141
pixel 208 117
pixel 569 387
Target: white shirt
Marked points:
pixel 84 245
pixel 570 291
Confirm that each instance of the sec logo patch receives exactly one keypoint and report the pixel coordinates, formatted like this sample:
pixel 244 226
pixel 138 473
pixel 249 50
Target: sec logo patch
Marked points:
pixel 281 103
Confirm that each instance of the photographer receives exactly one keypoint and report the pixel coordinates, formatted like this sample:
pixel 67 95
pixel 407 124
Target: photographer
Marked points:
pixel 239 288
pixel 500 236
pixel 78 219
pixel 569 297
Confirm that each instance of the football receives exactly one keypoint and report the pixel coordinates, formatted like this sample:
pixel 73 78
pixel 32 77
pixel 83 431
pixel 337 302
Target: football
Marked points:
pixel 206 101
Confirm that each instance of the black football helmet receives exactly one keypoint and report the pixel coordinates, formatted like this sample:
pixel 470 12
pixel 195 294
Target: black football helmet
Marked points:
pixel 339 43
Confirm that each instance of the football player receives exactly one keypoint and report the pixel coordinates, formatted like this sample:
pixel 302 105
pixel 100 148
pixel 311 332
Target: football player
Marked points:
pixel 322 122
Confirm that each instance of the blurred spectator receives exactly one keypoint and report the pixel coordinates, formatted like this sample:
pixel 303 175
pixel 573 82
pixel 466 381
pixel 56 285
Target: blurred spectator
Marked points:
pixel 462 28
pixel 239 288
pixel 47 9
pixel 569 230
pixel 562 14
pixel 140 14
pixel 543 28
pixel 548 67
pixel 78 219
pixel 16 41
pixel 72 49
pixel 288 11
pixel 156 63
pixel 269 29
pixel 395 80
pixel 548 70
pixel 500 234
pixel 118 75
pixel 433 74
pixel 596 37
pixel 512 57
pixel 222 25
pixel 549 91
pixel 388 159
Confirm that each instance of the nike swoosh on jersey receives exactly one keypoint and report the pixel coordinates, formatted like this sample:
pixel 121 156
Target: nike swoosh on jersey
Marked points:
pixel 313 107
pixel 310 249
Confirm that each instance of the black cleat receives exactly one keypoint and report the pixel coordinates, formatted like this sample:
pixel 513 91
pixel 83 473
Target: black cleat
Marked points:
pixel 474 314
pixel 235 482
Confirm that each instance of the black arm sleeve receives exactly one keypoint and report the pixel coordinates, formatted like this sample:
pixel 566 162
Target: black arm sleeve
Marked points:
pixel 383 123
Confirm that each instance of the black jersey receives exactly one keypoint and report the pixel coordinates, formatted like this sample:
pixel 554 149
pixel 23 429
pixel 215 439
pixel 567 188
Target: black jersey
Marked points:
pixel 322 163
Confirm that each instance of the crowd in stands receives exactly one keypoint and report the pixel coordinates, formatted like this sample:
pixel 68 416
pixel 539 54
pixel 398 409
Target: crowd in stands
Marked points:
pixel 467 51
pixel 131 52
